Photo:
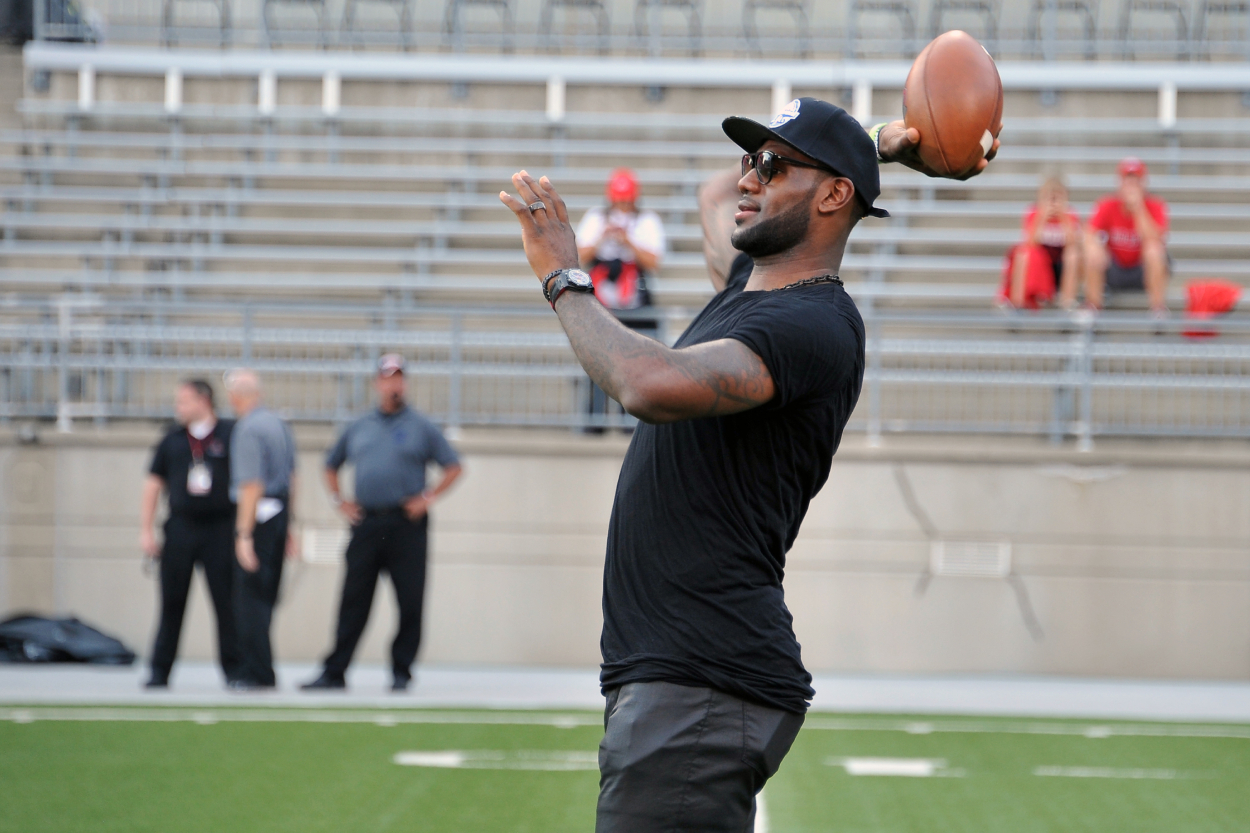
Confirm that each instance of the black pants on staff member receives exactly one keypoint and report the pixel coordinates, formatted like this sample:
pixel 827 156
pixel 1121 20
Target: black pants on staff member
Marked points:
pixel 255 595
pixel 383 540
pixel 208 542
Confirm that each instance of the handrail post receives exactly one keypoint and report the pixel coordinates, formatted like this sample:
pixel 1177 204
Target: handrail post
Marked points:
pixel 40 23
pixel 246 355
pixel 1085 423
pixel 64 421
pixel 454 381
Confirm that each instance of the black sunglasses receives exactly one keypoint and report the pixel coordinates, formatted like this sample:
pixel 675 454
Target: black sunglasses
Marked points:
pixel 764 163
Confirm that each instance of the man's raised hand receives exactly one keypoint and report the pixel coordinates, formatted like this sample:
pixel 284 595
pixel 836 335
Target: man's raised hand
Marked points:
pixel 548 236
pixel 900 143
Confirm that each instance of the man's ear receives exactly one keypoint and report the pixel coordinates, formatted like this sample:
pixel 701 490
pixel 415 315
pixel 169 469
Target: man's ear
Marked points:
pixel 838 193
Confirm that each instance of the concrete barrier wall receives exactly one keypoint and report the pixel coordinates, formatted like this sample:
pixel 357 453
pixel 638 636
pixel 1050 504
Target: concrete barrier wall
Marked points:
pixel 1133 561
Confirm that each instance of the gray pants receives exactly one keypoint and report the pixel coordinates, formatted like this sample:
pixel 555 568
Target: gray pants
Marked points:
pixel 677 758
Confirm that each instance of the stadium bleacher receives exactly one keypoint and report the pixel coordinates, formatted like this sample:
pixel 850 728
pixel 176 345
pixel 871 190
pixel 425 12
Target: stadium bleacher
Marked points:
pixel 790 28
pixel 142 209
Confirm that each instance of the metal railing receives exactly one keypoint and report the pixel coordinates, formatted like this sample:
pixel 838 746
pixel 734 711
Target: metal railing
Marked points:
pixel 1046 29
pixel 1060 376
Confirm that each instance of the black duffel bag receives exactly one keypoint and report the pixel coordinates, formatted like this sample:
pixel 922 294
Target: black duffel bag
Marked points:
pixel 29 638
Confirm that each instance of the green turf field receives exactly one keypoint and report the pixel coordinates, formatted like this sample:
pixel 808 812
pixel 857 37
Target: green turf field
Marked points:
pixel 137 770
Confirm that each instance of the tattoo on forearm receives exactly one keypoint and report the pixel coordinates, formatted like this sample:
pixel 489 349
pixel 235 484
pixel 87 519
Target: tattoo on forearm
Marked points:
pixel 705 380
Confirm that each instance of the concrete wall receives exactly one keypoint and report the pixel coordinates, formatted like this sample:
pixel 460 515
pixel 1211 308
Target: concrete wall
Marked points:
pixel 1134 560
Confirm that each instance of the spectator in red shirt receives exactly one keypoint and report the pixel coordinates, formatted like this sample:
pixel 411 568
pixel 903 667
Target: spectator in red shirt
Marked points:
pixel 1124 242
pixel 1048 256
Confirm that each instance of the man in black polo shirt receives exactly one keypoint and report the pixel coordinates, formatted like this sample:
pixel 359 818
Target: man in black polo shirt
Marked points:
pixel 192 464
pixel 705 686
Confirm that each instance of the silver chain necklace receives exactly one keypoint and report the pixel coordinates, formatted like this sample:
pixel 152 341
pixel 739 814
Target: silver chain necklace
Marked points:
pixel 810 282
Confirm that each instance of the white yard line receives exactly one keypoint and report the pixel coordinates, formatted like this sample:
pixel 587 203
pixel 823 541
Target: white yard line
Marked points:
pixel 898 767
pixel 543 760
pixel 1079 728
pixel 571 720
pixel 1110 772
pixel 275 715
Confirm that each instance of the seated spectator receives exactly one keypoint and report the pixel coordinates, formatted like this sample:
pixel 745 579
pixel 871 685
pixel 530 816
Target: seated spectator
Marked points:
pixel 1124 242
pixel 620 246
pixel 1048 256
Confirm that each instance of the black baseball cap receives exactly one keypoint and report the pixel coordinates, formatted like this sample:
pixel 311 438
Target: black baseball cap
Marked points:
pixel 826 133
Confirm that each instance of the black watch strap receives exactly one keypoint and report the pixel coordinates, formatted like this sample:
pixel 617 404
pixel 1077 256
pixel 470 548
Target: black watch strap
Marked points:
pixel 547 284
pixel 565 281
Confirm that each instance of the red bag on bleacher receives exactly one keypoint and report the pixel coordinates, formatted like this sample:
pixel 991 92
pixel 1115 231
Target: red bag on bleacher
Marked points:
pixel 1207 299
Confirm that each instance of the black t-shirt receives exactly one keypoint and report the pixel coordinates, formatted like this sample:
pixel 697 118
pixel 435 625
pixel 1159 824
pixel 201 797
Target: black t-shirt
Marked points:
pixel 706 509
pixel 172 461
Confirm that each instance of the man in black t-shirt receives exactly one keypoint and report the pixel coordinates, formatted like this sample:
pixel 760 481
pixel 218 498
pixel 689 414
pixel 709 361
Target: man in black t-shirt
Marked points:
pixel 705 686
pixel 192 465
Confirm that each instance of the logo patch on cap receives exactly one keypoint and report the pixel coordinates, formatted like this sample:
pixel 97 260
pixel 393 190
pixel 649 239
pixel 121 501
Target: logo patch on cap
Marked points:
pixel 790 113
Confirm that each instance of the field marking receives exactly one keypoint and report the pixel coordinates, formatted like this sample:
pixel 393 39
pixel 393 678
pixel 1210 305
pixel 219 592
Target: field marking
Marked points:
pixel 272 715
pixel 573 720
pixel 761 813
pixel 1109 772
pixel 1078 728
pixel 526 759
pixel 897 767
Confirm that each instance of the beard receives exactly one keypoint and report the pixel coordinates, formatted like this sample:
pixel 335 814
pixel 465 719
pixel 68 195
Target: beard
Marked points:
pixel 776 234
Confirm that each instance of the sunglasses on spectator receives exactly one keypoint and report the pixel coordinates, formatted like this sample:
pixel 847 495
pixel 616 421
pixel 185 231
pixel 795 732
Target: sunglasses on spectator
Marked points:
pixel 764 163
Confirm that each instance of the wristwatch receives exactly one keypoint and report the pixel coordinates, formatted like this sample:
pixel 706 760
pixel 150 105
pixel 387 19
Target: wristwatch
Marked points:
pixel 566 279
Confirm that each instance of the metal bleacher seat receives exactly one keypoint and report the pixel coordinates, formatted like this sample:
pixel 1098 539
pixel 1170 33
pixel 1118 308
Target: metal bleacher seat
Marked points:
pixel 902 10
pixel 1086 10
pixel 402 9
pixel 797 9
pixel 987 10
pixel 1209 9
pixel 169 26
pixel 1169 8
pixel 546 20
pixel 123 212
pixel 453 21
pixel 693 9
pixel 270 30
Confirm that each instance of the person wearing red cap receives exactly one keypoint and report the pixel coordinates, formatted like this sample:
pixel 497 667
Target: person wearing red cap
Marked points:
pixel 620 246
pixel 1124 242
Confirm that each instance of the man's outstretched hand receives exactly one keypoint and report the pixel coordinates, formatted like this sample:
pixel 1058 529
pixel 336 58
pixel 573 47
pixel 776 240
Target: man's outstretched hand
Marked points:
pixel 548 236
pixel 900 143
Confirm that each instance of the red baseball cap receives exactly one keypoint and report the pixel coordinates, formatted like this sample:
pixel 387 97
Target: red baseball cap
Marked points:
pixel 623 186
pixel 1132 166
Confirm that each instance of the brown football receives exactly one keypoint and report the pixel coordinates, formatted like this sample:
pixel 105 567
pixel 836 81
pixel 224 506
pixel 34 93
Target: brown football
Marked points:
pixel 954 97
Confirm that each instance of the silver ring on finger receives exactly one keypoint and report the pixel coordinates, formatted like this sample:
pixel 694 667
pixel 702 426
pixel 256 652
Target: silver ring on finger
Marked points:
pixel 534 206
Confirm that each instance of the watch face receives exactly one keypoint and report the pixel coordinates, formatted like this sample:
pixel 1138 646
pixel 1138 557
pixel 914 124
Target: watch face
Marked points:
pixel 579 278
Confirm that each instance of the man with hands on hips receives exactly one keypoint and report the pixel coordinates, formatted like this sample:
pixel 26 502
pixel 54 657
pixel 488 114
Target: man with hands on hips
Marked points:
pixel 390 449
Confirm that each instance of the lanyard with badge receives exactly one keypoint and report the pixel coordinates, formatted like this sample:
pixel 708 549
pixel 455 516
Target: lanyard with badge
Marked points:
pixel 199 476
